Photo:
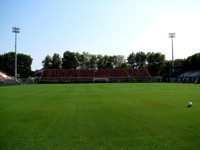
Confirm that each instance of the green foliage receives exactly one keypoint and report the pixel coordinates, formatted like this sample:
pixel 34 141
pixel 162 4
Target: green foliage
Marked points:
pixel 141 59
pixel 131 59
pixel 193 62
pixel 100 116
pixel 93 62
pixel 56 61
pixel 47 62
pixel 137 60
pixel 119 61
pixel 70 60
pixel 24 65
pixel 156 63
pixel 87 61
pixel 52 63
pixel 182 65
pixel 7 63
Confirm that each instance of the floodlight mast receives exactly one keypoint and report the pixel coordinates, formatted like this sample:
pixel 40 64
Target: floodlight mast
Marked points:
pixel 15 30
pixel 172 35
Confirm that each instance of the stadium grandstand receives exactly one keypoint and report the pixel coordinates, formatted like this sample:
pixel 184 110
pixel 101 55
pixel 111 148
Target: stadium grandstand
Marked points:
pixel 6 79
pixel 189 76
pixel 102 75
pixel 4 76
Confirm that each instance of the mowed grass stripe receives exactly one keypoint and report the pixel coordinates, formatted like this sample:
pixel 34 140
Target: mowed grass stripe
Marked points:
pixel 99 116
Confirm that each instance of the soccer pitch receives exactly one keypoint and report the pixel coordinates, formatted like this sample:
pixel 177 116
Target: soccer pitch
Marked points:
pixel 139 116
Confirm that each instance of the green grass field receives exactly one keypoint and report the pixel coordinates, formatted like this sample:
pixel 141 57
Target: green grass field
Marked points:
pixel 100 116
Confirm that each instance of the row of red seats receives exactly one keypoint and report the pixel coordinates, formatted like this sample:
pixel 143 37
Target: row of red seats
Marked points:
pixel 139 74
pixel 119 73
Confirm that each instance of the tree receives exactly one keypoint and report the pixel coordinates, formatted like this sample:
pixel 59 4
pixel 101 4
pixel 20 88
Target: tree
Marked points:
pixel 119 62
pixel 24 65
pixel 100 62
pixel 104 62
pixel 108 62
pixel 56 61
pixel 2 61
pixel 70 60
pixel 137 60
pixel 93 62
pixel 7 63
pixel 178 65
pixel 166 69
pixel 156 63
pixel 195 61
pixel 132 60
pixel 86 60
pixel 81 61
pixel 141 59
pixel 46 63
pixel 192 62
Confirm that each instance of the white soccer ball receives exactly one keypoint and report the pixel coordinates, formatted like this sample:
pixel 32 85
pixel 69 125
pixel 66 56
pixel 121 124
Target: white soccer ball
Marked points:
pixel 189 104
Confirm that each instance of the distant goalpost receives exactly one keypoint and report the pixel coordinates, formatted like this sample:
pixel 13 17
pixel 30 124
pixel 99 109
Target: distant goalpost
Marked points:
pixel 100 80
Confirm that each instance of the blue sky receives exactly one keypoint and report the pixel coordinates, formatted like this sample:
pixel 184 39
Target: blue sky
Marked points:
pixel 108 27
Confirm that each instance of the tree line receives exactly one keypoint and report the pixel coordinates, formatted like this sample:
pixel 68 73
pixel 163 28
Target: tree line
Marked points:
pixel 24 62
pixel 156 63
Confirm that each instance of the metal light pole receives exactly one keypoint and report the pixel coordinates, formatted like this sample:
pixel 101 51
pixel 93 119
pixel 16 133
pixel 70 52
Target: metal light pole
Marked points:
pixel 172 35
pixel 15 30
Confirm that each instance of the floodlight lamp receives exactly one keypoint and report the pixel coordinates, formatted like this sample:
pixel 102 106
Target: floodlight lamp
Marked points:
pixel 15 29
pixel 171 35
